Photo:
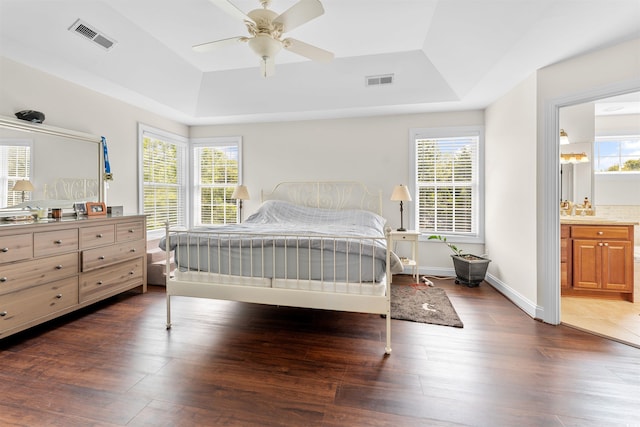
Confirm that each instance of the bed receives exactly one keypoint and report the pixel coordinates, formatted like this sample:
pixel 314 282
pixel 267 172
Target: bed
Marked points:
pixel 320 245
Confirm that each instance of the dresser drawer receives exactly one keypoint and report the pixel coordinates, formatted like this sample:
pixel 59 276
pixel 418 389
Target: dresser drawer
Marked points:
pixel 100 235
pixel 101 257
pixel 599 232
pixel 30 304
pixel 29 273
pixel 130 231
pixel 55 242
pixel 16 247
pixel 97 283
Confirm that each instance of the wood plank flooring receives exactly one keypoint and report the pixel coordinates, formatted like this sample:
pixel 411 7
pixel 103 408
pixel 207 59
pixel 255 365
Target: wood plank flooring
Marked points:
pixel 235 364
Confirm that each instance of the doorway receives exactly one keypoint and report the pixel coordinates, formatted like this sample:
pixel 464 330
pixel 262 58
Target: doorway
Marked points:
pixel 608 182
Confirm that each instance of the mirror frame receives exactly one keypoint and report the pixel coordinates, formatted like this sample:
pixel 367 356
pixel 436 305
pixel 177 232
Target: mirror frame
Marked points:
pixel 25 126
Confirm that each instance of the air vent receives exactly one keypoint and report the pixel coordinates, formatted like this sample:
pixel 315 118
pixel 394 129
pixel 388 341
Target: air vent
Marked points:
pixel 384 79
pixel 90 33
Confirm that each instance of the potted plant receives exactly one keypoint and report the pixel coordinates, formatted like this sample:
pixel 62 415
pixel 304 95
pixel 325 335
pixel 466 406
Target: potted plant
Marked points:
pixel 470 269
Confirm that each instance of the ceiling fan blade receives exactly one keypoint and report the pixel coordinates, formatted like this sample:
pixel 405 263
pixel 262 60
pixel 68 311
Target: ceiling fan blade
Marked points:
pixel 267 67
pixel 209 46
pixel 298 14
pixel 307 50
pixel 231 9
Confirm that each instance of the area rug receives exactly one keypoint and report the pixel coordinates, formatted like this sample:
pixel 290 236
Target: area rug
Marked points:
pixel 419 303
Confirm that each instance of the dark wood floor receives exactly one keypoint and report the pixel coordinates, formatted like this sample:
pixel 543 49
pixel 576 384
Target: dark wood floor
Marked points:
pixel 234 364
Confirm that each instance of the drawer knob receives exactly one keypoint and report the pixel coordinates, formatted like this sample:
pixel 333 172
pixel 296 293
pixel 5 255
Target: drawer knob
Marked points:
pixel 57 242
pixel 131 273
pixel 600 233
pixel 3 279
pixel 59 267
pixel 99 282
pixel 5 249
pixel 4 313
pixel 132 250
pixel 101 257
pixel 606 244
pixel 59 296
pixel 99 236
pixel 131 230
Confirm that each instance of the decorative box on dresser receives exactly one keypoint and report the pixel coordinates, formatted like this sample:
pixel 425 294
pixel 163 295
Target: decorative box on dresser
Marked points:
pixel 50 268
pixel 597 258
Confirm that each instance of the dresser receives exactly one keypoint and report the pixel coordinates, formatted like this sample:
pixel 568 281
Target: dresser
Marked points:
pixel 50 268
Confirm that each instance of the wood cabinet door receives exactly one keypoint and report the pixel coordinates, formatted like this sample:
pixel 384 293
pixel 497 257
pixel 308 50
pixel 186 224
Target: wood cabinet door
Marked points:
pixel 587 264
pixel 617 266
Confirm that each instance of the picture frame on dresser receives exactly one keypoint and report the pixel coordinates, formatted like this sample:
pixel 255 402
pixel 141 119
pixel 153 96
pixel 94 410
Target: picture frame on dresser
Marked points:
pixel 80 208
pixel 96 208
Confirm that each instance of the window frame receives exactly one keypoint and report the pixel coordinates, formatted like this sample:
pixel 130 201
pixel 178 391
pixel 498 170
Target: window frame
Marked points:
pixel 478 211
pixel 4 178
pixel 618 137
pixel 183 145
pixel 210 142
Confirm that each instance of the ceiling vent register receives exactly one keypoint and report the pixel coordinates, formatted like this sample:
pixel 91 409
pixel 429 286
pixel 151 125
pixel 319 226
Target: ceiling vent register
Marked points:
pixel 384 79
pixel 88 32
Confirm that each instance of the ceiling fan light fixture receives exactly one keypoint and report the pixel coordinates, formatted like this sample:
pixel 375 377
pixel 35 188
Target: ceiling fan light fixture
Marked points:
pixel 265 46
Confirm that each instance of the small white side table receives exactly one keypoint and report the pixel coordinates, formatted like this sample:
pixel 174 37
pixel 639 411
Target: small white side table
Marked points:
pixel 412 237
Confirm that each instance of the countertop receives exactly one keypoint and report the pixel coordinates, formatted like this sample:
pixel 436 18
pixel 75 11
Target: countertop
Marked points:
pixel 592 220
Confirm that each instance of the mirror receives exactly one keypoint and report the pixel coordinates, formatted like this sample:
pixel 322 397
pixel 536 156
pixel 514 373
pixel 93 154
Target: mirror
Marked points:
pixel 66 166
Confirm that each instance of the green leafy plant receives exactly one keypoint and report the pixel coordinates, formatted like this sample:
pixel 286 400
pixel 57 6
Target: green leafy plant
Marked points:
pixel 451 246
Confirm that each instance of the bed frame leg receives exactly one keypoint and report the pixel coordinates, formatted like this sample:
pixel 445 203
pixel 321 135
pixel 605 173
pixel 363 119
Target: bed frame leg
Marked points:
pixel 387 349
pixel 168 311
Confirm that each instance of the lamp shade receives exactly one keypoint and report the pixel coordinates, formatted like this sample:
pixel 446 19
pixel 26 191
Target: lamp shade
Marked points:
pixel 23 185
pixel 401 194
pixel 564 138
pixel 240 193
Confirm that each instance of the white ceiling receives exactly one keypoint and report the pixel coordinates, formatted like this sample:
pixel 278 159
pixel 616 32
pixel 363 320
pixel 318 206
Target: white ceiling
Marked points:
pixel 445 55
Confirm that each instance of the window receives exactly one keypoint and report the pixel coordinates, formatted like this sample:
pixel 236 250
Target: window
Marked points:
pixel 617 154
pixel 164 178
pixel 448 182
pixel 216 169
pixel 15 164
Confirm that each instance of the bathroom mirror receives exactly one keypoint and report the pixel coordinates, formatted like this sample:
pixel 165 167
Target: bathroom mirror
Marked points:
pixel 66 166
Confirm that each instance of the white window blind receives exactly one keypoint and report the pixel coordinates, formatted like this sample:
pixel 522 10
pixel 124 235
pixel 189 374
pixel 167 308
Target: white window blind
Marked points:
pixel 164 180
pixel 216 167
pixel 15 164
pixel 447 184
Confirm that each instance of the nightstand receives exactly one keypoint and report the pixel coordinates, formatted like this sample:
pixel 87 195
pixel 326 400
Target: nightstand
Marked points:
pixel 413 238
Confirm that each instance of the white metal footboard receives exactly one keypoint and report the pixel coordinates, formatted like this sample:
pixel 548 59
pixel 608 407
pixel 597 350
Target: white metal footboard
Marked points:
pixel 345 273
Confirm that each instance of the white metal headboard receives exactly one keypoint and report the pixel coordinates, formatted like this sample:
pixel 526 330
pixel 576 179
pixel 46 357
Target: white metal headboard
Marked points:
pixel 76 189
pixel 337 195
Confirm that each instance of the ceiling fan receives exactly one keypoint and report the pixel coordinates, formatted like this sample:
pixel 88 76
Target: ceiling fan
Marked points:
pixel 266 28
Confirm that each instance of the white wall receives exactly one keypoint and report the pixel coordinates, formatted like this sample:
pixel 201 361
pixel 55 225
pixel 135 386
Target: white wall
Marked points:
pixel 510 173
pixel 372 150
pixel 70 106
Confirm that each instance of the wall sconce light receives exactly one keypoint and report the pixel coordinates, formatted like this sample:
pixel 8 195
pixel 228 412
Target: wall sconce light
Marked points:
pixel 240 193
pixel 401 194
pixel 564 138
pixel 23 185
pixel 574 158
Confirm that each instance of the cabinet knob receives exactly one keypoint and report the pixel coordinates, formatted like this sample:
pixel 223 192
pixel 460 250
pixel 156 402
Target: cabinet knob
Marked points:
pixel 59 296
pixel 600 233
pixel 132 250
pixel 57 242
pixel 3 279
pixel 131 230
pixel 5 249
pixel 99 282
pixel 606 244
pixel 131 273
pixel 4 313
pixel 99 236
pixel 101 257
pixel 59 267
